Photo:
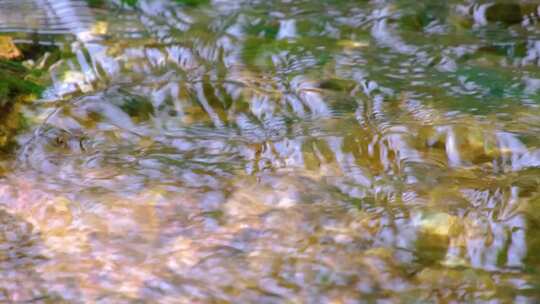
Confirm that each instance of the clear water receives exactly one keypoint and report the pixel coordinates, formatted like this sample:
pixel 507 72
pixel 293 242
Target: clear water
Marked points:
pixel 282 152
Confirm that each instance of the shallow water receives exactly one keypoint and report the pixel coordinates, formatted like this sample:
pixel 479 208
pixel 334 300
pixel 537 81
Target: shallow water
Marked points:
pixel 282 152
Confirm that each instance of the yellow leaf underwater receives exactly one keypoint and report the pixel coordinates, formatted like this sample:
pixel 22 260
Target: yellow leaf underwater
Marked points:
pixel 351 44
pixel 8 49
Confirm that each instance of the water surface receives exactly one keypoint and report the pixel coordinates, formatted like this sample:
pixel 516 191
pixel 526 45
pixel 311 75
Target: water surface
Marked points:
pixel 281 152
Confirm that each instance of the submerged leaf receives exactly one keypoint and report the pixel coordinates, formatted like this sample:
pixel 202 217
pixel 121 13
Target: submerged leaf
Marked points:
pixel 8 49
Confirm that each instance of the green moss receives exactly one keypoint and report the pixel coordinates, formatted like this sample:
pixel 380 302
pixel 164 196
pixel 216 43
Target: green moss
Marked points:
pixel 14 89
pixel 130 2
pixel 138 108
pixel 133 3
pixel 96 3
pixel 192 2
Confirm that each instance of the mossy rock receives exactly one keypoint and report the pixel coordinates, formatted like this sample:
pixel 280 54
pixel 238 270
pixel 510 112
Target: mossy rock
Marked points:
pixel 507 13
pixel 14 90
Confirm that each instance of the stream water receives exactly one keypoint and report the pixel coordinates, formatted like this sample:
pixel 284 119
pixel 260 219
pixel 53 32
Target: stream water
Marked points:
pixel 275 151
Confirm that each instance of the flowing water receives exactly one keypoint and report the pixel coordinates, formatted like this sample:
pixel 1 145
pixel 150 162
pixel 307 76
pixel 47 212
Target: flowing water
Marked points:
pixel 278 151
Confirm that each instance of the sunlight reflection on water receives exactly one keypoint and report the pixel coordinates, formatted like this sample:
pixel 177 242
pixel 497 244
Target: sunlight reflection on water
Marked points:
pixel 302 151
